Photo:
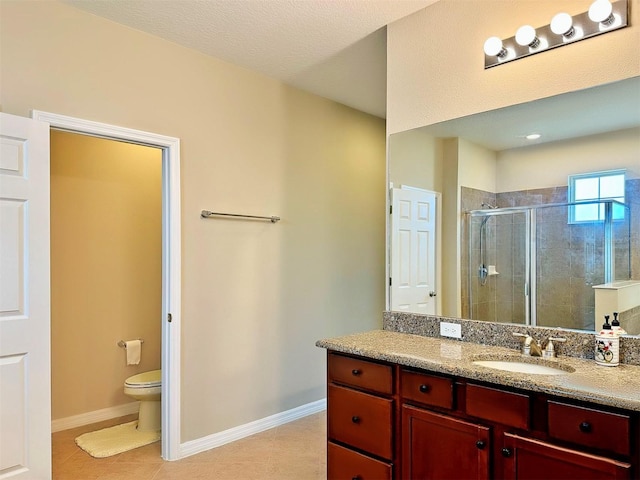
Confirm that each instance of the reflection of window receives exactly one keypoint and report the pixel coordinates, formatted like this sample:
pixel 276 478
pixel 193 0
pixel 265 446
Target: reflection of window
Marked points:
pixel 587 187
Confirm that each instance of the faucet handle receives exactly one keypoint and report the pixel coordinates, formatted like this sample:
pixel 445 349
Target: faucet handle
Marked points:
pixel 550 351
pixel 557 339
pixel 526 343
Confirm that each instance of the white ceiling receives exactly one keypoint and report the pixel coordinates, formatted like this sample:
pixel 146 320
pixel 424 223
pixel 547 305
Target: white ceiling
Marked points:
pixel 333 48
pixel 600 109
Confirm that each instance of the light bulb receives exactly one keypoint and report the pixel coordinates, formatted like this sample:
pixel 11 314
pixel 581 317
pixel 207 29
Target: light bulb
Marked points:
pixel 533 136
pixel 562 24
pixel 493 47
pixel 526 36
pixel 601 11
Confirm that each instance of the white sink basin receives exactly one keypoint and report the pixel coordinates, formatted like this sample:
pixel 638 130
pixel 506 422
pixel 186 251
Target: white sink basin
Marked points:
pixel 521 367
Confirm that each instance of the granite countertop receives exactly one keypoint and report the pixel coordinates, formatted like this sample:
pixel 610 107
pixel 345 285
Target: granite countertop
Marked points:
pixel 613 386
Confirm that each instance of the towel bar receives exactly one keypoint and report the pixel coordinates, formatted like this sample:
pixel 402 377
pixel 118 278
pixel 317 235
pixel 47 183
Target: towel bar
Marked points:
pixel 207 214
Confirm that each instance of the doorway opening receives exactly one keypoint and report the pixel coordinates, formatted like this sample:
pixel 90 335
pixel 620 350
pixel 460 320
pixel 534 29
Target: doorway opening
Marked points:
pixel 170 258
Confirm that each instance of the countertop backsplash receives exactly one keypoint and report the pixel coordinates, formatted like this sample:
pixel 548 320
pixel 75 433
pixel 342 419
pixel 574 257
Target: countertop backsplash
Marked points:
pixel 579 344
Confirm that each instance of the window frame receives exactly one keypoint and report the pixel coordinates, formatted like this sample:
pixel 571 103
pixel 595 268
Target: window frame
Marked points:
pixel 594 175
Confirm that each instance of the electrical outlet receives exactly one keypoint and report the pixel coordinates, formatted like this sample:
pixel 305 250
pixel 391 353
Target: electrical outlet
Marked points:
pixel 453 330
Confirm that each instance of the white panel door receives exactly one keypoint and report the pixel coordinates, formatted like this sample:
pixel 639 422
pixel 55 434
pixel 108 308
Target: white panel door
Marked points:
pixel 413 251
pixel 25 384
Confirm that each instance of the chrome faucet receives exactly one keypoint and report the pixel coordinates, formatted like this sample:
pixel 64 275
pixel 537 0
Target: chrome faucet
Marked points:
pixel 530 347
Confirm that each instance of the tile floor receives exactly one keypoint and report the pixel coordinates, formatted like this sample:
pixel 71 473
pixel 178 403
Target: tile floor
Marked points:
pixel 296 450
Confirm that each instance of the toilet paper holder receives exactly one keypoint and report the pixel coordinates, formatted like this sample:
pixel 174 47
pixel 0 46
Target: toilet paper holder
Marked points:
pixel 122 344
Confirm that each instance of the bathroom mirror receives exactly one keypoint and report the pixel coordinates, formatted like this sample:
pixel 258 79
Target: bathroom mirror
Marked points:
pixel 482 161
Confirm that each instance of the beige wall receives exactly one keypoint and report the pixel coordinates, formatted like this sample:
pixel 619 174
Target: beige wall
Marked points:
pixel 435 61
pixel 477 166
pixel 450 261
pixel 256 296
pixel 106 268
pixel 417 160
pixel 549 164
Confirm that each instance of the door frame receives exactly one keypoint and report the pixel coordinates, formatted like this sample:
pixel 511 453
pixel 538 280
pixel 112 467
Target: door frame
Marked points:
pixel 171 257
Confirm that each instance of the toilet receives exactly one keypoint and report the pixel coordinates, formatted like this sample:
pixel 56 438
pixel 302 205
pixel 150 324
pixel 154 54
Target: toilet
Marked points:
pixel 146 388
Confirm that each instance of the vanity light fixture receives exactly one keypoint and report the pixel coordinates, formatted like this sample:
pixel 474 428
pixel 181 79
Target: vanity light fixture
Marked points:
pixel 493 47
pixel 562 24
pixel 601 11
pixel 603 16
pixel 533 136
pixel 526 37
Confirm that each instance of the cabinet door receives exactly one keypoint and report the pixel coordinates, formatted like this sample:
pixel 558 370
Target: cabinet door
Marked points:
pixel 439 447
pixel 528 459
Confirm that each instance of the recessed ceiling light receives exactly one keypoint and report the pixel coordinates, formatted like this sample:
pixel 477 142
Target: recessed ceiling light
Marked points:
pixel 533 136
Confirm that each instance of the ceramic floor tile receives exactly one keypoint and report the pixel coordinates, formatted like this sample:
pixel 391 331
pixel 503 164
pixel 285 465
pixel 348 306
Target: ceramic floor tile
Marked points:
pixel 128 471
pixel 246 469
pixel 182 471
pixel 147 454
pixel 296 450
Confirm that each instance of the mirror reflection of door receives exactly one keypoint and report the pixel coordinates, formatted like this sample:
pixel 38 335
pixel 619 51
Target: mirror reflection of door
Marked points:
pixel 413 251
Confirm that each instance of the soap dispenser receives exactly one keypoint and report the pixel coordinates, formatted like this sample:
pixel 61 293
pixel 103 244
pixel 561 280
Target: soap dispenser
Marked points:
pixel 615 325
pixel 607 350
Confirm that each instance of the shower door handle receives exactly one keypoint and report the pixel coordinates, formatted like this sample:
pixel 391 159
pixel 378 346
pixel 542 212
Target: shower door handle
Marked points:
pixel 432 294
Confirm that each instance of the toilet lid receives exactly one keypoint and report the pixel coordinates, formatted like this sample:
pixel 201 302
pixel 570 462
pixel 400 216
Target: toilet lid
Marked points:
pixel 145 379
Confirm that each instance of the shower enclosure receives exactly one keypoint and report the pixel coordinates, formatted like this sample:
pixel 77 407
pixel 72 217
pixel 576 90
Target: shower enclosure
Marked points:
pixel 536 265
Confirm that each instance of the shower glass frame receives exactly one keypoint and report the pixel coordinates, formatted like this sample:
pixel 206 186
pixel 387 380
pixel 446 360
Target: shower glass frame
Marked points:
pixel 530 246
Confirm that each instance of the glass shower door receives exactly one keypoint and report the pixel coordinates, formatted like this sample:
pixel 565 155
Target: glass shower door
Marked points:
pixel 498 265
pixel 570 260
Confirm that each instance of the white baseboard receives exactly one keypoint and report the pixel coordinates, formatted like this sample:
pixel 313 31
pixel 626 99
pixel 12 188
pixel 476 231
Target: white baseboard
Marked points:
pixel 236 433
pixel 93 417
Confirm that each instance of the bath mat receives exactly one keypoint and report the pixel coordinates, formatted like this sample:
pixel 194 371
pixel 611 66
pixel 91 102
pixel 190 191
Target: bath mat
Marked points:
pixel 113 440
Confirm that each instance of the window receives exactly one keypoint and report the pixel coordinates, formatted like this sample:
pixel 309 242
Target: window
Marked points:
pixel 591 187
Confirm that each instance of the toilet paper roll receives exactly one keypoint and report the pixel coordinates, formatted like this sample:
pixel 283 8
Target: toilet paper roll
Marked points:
pixel 133 348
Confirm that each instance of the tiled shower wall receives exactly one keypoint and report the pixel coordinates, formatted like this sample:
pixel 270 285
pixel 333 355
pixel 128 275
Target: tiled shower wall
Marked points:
pixel 570 258
pixel 630 320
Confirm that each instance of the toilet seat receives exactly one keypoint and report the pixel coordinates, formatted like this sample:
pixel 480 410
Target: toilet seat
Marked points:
pixel 151 379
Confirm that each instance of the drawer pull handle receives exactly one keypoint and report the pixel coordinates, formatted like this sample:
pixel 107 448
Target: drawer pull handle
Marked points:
pixel 355 419
pixel 506 453
pixel 480 444
pixel 585 427
pixel 357 477
pixel 356 372
pixel 424 388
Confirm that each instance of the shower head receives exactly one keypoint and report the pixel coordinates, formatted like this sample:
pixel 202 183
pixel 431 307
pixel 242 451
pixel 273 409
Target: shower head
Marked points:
pixel 488 205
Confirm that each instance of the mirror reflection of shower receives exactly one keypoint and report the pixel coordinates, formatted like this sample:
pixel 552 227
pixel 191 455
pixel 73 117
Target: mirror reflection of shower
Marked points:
pixel 483 271
pixel 549 263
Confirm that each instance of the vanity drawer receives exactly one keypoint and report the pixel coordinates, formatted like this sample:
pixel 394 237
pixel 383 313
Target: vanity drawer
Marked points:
pixel 507 408
pixel 361 420
pixel 589 427
pixel 427 389
pixel 360 373
pixel 343 463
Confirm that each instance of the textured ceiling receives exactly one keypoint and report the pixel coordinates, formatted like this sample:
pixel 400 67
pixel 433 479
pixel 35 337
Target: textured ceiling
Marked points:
pixel 333 48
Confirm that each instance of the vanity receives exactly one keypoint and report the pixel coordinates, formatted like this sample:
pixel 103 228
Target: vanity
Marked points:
pixel 406 406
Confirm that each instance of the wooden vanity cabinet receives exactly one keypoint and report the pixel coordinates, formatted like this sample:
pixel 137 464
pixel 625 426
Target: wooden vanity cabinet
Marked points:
pixel 530 459
pixel 416 425
pixel 360 419
pixel 443 447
